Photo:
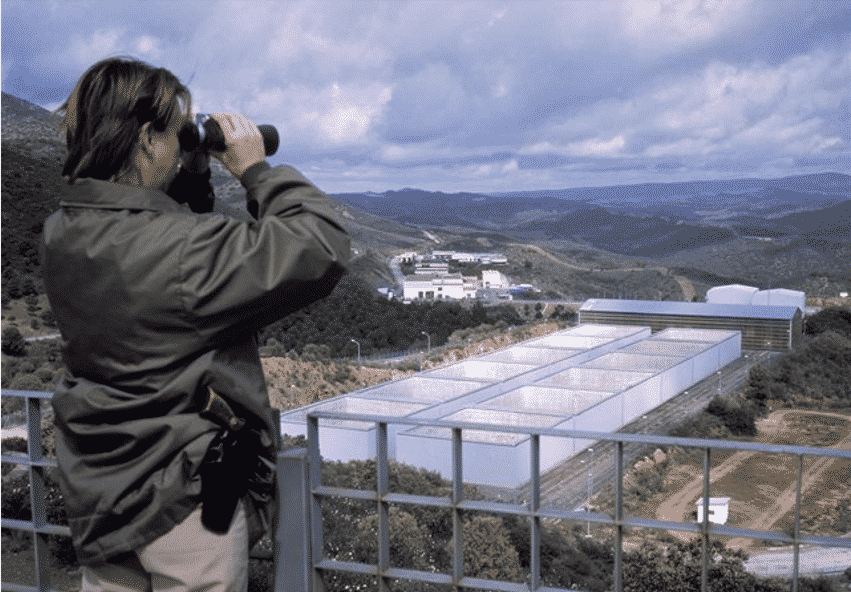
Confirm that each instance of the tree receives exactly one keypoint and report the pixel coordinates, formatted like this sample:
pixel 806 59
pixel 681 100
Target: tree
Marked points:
pixel 678 569
pixel 835 318
pixel 407 540
pixel 488 553
pixel 13 343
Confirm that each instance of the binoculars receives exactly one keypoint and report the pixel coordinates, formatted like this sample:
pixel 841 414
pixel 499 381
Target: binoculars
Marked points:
pixel 205 132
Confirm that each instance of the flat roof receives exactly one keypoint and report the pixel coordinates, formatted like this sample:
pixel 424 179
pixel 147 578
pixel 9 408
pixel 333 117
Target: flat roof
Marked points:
pixel 697 309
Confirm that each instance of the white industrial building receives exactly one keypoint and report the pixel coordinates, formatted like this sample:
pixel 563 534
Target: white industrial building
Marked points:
pixel 732 294
pixel 590 377
pixel 780 297
pixel 494 279
pixel 491 258
pixel 438 287
pixel 739 294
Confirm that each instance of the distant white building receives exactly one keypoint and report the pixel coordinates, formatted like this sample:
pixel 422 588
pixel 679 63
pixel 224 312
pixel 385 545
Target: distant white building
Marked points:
pixel 739 294
pixel 463 257
pixel 432 267
pixel 780 297
pixel 719 510
pixel 438 287
pixel 494 279
pixel 732 294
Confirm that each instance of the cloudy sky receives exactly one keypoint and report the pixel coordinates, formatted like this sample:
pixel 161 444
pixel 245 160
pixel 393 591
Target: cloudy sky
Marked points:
pixel 483 96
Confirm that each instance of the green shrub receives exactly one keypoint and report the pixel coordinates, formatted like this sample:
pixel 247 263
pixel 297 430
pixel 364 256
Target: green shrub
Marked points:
pixel 16 505
pixel 835 318
pixel 27 382
pixel 13 343
pixel 12 404
pixel 739 419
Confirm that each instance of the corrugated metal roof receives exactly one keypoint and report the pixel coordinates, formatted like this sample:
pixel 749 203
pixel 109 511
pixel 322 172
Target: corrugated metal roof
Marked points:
pixel 697 309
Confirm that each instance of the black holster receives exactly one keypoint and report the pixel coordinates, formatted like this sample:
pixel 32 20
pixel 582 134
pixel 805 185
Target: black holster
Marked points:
pixel 225 473
pixel 233 466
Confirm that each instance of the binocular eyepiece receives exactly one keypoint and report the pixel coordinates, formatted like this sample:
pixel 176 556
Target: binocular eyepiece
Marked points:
pixel 205 132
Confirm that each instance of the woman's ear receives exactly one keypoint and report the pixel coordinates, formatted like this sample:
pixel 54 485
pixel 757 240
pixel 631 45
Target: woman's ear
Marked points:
pixel 145 139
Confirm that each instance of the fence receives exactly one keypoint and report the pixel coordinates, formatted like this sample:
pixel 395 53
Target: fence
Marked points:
pixel 37 466
pixel 299 561
pixel 300 472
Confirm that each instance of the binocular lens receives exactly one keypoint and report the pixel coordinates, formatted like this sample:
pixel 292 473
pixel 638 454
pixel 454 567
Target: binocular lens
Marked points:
pixel 189 137
pixel 206 133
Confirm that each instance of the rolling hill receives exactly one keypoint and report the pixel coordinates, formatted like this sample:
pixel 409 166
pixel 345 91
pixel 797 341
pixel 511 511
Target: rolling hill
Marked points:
pixel 642 240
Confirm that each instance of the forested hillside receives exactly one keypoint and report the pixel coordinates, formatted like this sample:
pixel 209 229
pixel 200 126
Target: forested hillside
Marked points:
pixel 354 311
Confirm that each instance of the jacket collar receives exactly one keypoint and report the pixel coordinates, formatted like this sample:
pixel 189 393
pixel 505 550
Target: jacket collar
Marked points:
pixel 99 194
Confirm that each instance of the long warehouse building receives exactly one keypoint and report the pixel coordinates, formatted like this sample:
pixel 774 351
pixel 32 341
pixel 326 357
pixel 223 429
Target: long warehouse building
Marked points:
pixel 775 328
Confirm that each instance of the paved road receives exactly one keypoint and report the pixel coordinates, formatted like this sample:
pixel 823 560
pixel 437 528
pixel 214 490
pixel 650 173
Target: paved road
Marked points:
pixel 813 561
pixel 43 337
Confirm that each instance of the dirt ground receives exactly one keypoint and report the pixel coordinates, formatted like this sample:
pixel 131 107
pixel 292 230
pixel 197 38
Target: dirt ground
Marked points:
pixel 17 315
pixel 762 486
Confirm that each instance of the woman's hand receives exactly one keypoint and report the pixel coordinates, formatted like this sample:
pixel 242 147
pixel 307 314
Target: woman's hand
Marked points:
pixel 243 142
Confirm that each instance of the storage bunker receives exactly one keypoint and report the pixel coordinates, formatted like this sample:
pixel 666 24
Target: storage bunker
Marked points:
pixel 590 377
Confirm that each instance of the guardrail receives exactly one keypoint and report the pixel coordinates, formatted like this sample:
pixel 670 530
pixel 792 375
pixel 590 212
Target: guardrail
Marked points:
pixel 300 472
pixel 298 555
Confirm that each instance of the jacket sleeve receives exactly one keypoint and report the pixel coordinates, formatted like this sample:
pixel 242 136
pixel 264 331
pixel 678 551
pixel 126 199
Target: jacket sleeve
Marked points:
pixel 239 276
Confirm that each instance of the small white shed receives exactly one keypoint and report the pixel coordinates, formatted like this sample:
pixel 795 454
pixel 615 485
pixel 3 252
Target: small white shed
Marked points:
pixel 719 508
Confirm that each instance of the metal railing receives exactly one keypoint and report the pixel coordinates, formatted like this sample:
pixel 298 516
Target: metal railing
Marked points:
pixel 301 527
pixel 298 544
pixel 37 466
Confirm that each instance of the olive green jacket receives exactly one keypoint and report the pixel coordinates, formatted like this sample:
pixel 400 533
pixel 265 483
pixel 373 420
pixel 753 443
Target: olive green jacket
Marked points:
pixel 156 304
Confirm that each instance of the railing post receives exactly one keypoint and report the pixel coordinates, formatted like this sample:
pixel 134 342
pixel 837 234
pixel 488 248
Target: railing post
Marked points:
pixel 457 498
pixel 382 486
pixel 796 553
pixel 534 506
pixel 314 479
pixel 38 497
pixel 704 559
pixel 292 542
pixel 619 518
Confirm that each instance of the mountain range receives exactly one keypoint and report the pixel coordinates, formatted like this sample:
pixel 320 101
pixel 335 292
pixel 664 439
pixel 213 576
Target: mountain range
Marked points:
pixel 650 220
pixel 793 232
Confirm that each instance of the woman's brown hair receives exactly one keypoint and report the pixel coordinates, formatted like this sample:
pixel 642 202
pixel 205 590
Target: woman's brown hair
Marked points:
pixel 107 108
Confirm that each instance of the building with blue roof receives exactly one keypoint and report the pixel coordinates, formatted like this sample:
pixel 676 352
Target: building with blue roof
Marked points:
pixel 776 328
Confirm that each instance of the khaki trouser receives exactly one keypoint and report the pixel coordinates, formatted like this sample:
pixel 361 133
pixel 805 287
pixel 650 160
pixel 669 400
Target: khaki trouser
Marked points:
pixel 189 558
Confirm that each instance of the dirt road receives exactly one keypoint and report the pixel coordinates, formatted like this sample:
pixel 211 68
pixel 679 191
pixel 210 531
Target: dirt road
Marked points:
pixel 741 467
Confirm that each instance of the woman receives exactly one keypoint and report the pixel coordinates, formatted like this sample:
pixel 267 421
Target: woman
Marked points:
pixel 158 306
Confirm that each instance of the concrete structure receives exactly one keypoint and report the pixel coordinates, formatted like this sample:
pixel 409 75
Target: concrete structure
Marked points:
pixel 719 509
pixel 590 377
pixel 437 287
pixel 491 258
pixel 780 297
pixel 739 294
pixel 732 294
pixel 777 328
pixel 431 268
pixel 494 279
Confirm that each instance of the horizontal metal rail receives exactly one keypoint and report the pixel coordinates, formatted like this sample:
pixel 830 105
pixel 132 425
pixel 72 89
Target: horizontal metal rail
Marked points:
pixel 534 510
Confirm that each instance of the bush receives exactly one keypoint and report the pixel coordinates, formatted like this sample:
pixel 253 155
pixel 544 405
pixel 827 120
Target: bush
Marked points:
pixel 316 353
pixel 16 505
pixel 739 419
pixel 816 375
pixel 27 382
pixel 836 319
pixel 488 553
pixel 13 343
